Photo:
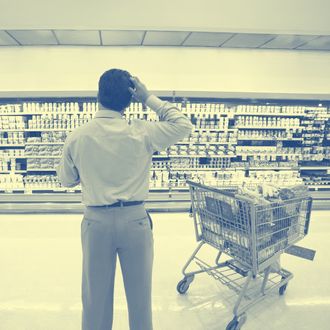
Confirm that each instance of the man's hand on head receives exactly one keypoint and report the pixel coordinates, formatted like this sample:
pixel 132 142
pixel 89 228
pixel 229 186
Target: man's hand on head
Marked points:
pixel 140 92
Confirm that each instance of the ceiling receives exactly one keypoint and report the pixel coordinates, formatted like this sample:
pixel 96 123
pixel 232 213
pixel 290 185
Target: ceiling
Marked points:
pixel 49 37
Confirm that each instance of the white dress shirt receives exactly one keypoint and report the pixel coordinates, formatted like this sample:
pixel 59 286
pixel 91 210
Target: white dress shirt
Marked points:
pixel 111 158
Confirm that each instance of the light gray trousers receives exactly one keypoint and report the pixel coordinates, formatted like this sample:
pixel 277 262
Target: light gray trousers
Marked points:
pixel 105 233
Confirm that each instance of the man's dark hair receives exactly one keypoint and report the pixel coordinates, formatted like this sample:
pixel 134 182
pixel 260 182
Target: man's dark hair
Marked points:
pixel 113 89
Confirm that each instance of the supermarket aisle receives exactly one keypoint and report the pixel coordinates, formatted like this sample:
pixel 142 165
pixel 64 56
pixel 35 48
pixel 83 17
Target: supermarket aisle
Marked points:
pixel 41 268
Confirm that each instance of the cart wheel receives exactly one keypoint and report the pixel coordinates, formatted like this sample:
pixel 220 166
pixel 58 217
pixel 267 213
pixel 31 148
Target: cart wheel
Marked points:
pixel 237 322
pixel 282 289
pixel 183 285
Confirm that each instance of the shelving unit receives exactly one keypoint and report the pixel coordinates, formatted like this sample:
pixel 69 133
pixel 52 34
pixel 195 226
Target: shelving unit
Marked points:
pixel 214 117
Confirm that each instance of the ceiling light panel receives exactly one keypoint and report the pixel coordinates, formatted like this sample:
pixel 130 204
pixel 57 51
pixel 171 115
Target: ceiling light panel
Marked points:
pixel 120 38
pixel 164 38
pixel 246 40
pixel 76 37
pixel 34 37
pixel 206 39
pixel 321 43
pixel 287 41
pixel 6 40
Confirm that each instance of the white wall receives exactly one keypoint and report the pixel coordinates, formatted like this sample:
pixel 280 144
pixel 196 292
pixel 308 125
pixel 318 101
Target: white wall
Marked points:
pixel 180 69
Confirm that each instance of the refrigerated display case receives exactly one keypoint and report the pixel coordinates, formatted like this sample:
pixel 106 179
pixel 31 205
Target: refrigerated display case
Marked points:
pixel 265 139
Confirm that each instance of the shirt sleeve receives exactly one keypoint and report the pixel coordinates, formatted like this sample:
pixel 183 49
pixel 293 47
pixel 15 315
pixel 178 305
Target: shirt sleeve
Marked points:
pixel 172 126
pixel 66 170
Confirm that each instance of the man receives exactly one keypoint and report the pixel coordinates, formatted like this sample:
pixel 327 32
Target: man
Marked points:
pixel 111 159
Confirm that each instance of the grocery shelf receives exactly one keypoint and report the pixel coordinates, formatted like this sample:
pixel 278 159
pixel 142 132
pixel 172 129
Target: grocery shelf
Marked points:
pixel 270 114
pixel 164 195
pixel 12 157
pixel 12 129
pixel 202 156
pixel 268 139
pixel 15 171
pixel 51 157
pixel 282 168
pixel 315 167
pixel 44 143
pixel 205 143
pixel 215 129
pixel 41 169
pixel 44 113
pixel 49 129
pixel 204 169
pixel 268 127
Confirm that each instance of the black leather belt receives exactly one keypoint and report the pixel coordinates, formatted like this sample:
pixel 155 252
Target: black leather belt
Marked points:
pixel 118 204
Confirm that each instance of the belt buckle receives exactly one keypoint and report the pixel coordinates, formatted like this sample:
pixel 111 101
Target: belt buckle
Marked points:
pixel 121 203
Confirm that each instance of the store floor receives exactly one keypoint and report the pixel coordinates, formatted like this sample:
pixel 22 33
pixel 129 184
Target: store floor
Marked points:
pixel 40 279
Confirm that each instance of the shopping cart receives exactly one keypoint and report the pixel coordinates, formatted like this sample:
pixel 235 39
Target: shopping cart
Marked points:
pixel 252 236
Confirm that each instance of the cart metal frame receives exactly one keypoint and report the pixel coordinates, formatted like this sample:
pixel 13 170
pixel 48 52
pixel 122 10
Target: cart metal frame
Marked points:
pixel 253 236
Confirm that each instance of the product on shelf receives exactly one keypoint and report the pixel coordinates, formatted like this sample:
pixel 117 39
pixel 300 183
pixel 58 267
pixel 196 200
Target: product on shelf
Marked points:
pixel 41 182
pixel 159 179
pixel 10 108
pixel 59 121
pixel 12 138
pixel 12 123
pixel 50 107
pixel 270 109
pixel 9 182
pixel 11 153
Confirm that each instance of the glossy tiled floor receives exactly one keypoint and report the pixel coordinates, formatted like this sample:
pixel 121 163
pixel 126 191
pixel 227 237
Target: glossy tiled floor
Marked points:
pixel 40 260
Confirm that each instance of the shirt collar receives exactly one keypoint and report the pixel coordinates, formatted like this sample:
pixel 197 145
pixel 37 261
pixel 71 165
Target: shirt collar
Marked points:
pixel 108 114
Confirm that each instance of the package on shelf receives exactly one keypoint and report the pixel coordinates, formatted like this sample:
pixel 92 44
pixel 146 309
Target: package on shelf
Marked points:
pixel 282 178
pixel 158 179
pixel 90 107
pixel 221 178
pixel 11 181
pixel 59 120
pixel 10 108
pixel 160 164
pixel 54 136
pixel 11 153
pixel 263 134
pixel 12 122
pixel 4 165
pixel 259 121
pixel 39 182
pixel 50 107
pixel 33 163
pixel 273 109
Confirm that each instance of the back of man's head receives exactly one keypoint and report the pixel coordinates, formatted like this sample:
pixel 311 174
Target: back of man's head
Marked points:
pixel 113 89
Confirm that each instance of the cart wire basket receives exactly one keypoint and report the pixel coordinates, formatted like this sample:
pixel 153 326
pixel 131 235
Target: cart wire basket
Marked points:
pixel 252 236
